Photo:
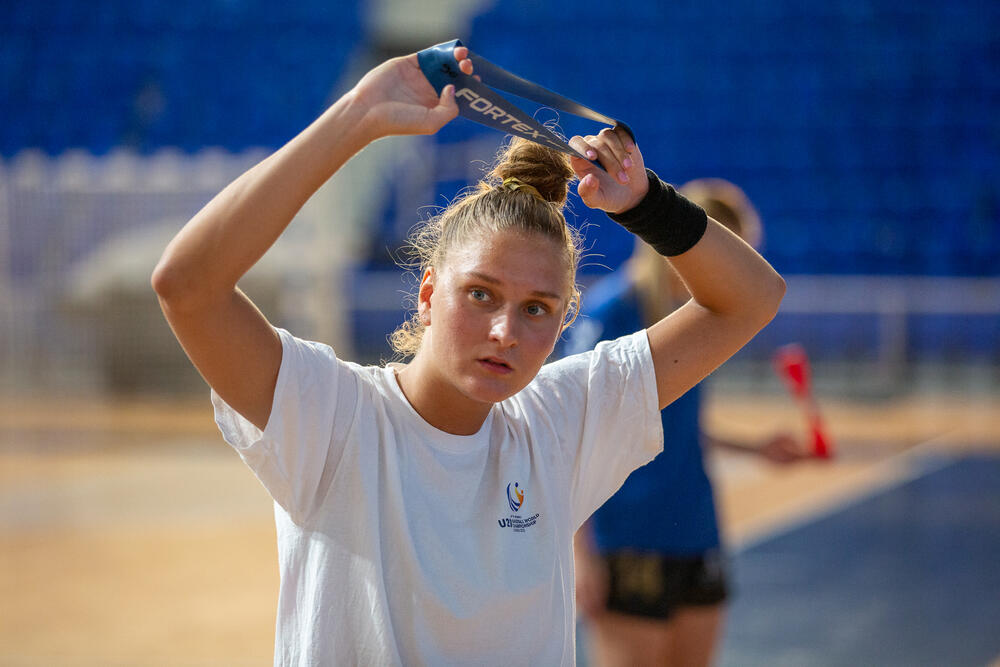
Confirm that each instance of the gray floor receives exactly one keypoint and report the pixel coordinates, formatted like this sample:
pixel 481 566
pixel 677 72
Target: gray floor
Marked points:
pixel 909 577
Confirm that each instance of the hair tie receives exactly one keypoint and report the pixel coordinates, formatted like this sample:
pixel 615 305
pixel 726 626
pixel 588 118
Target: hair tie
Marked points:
pixel 514 184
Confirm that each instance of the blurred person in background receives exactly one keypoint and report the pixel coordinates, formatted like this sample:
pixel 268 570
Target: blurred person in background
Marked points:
pixel 651 576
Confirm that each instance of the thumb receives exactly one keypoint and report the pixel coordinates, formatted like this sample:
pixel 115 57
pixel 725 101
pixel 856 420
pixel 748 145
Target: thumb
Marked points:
pixel 588 187
pixel 444 111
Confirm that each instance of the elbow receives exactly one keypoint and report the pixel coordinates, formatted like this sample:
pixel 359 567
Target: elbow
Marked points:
pixel 162 281
pixel 165 280
pixel 172 284
pixel 774 292
pixel 183 288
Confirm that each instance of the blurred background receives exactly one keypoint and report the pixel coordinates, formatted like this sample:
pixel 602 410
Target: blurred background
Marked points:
pixel 866 132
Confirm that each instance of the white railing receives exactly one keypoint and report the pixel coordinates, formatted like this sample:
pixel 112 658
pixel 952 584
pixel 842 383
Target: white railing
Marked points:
pixel 896 303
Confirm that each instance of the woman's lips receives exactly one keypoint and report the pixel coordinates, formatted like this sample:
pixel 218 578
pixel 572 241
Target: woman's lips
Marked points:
pixel 495 365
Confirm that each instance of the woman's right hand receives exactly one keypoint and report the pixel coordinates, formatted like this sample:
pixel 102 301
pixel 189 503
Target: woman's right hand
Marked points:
pixel 396 97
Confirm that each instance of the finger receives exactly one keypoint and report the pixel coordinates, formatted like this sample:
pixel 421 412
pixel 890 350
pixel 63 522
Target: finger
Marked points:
pixel 588 187
pixel 615 144
pixel 580 145
pixel 584 167
pixel 580 166
pixel 611 163
pixel 592 179
pixel 445 110
pixel 626 138
pixel 447 99
pixel 461 54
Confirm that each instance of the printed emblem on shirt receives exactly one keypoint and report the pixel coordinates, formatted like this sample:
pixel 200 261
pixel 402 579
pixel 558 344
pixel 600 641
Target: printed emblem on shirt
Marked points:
pixel 515 501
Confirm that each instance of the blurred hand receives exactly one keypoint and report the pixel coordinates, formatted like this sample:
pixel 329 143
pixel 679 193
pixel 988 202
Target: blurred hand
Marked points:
pixel 623 185
pixel 397 98
pixel 783 448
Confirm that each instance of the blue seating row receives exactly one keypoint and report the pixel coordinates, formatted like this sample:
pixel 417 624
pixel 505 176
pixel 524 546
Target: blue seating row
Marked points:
pixel 149 74
pixel 868 133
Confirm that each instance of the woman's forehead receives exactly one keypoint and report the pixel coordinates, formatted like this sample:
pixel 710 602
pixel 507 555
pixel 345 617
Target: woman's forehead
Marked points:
pixel 531 261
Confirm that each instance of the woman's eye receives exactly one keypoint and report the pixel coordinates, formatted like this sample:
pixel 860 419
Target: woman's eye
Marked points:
pixel 478 295
pixel 537 309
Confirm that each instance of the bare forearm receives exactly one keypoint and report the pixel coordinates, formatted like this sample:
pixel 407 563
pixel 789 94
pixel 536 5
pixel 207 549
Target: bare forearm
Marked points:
pixel 735 293
pixel 727 277
pixel 227 338
pixel 740 447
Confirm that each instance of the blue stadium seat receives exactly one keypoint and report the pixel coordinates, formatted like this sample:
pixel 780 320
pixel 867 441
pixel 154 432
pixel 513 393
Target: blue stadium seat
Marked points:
pixel 815 110
pixel 209 59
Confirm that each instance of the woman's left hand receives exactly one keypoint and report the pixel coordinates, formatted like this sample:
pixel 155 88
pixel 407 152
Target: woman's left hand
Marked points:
pixel 396 97
pixel 624 183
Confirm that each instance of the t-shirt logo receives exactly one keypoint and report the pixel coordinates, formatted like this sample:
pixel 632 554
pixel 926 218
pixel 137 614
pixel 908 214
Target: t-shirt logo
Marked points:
pixel 516 499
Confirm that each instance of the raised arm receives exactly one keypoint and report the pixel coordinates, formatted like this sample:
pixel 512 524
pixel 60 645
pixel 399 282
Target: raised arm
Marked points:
pixel 229 341
pixel 735 292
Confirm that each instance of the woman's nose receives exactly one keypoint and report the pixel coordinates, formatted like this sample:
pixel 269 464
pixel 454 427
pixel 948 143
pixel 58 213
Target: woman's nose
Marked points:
pixel 503 329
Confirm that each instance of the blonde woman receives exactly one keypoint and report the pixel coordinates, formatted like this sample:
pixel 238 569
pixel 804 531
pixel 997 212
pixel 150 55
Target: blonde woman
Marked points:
pixel 426 511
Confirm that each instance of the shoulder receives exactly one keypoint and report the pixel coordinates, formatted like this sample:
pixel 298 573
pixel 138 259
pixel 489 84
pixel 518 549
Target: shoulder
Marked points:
pixel 311 355
pixel 311 373
pixel 627 352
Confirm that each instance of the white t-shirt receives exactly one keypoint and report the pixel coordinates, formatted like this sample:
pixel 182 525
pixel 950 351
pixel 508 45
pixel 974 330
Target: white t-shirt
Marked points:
pixel 401 544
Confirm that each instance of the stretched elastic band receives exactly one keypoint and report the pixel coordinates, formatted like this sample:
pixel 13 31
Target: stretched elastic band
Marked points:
pixel 477 102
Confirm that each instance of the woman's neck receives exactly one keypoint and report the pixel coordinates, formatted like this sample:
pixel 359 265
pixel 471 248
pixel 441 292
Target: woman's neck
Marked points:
pixel 438 402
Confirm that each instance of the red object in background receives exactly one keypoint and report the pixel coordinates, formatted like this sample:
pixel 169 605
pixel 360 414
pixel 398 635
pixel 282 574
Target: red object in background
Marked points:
pixel 792 365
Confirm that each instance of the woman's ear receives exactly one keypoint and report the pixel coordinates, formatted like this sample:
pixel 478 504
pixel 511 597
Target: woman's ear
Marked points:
pixel 424 296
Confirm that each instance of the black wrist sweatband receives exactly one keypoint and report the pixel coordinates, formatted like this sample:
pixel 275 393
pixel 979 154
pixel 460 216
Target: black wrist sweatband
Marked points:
pixel 665 219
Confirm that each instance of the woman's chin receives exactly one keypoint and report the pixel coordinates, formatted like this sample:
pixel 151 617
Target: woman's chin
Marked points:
pixel 491 390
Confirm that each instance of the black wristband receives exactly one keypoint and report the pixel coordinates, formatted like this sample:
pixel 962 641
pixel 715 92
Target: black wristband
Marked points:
pixel 665 219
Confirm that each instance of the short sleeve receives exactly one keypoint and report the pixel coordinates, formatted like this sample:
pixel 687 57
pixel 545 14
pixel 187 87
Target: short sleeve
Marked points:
pixel 606 410
pixel 296 455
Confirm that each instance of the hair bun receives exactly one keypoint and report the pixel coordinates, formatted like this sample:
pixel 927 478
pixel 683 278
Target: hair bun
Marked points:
pixel 545 169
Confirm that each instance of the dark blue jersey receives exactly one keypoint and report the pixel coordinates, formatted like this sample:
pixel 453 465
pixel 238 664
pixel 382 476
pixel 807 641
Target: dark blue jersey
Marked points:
pixel 665 506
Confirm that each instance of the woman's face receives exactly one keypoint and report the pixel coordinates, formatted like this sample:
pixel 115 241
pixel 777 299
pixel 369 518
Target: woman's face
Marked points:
pixel 493 312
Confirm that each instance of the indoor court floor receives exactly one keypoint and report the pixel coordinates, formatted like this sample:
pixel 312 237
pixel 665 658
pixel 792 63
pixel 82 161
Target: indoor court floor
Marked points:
pixel 906 576
pixel 130 534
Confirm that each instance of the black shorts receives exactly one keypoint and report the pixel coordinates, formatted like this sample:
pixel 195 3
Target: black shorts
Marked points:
pixel 654 586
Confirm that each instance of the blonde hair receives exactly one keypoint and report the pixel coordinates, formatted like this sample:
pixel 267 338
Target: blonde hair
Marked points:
pixel 651 273
pixel 494 206
pixel 726 203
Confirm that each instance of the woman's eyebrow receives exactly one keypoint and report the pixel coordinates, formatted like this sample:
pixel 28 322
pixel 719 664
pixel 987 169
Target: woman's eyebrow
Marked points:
pixel 486 278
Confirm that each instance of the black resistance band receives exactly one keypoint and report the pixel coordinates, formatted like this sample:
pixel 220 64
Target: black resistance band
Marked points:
pixel 478 102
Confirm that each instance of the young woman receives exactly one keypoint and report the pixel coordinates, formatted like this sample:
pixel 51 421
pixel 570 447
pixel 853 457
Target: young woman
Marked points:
pixel 650 573
pixel 426 511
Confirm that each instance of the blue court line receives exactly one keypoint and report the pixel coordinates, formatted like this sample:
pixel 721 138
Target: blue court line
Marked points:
pixel 908 576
